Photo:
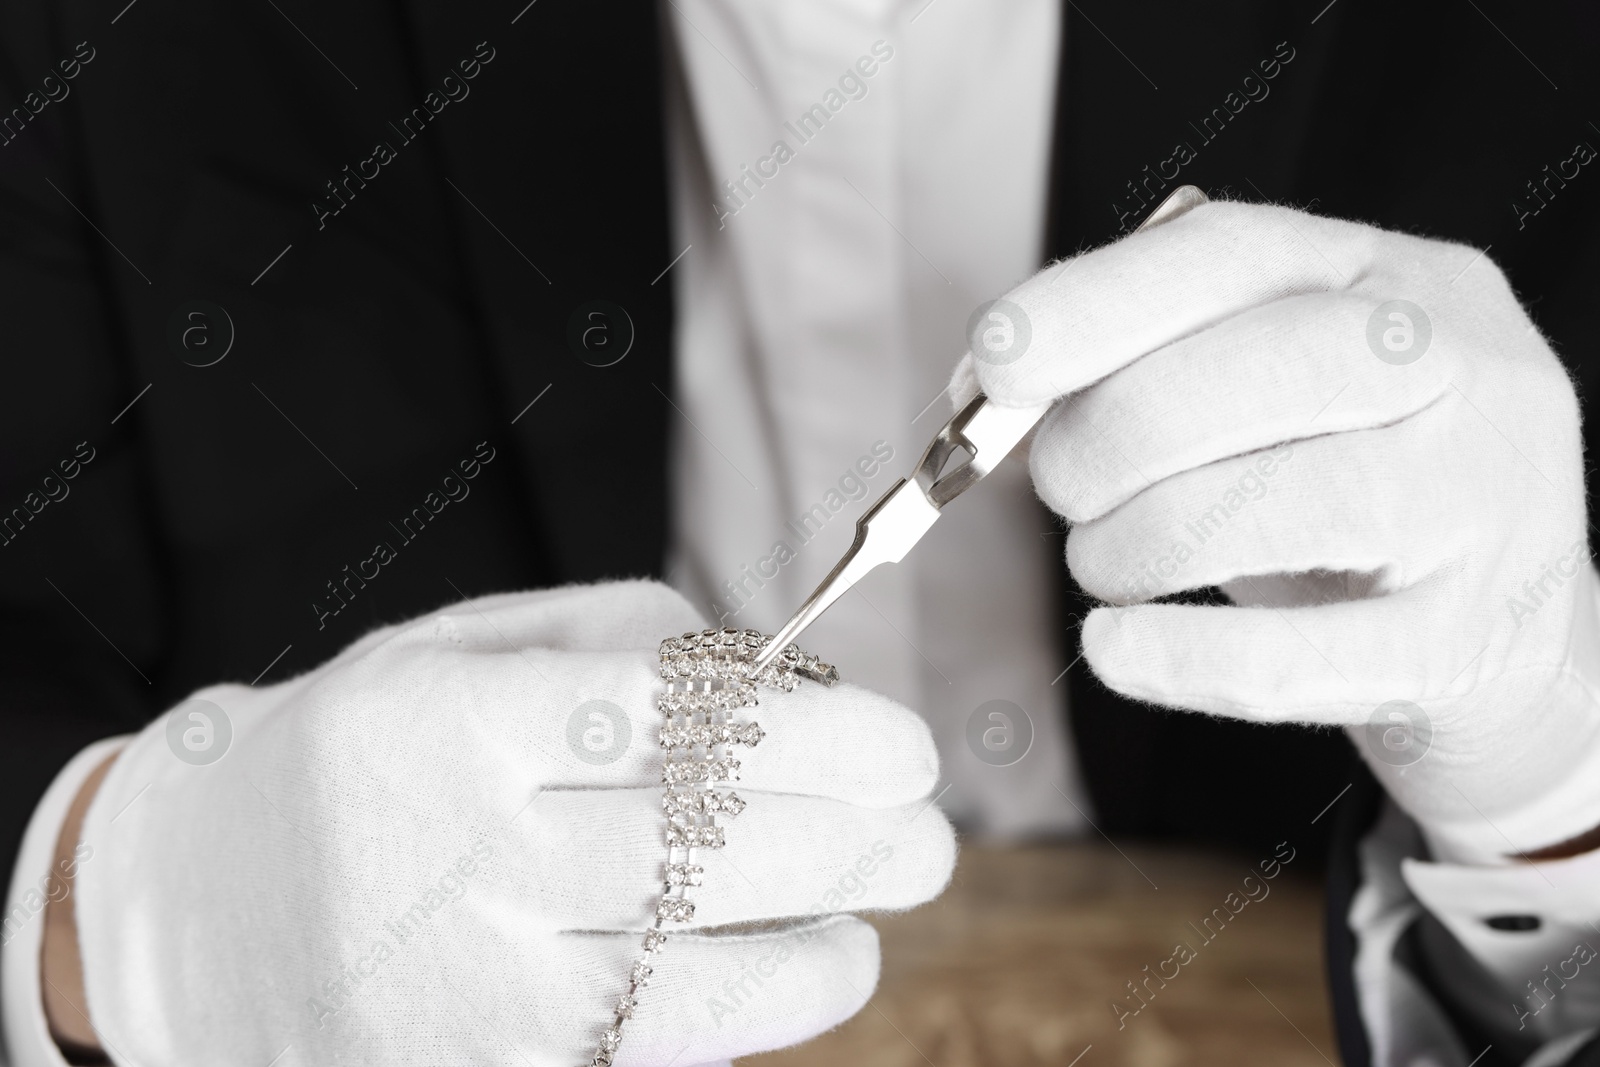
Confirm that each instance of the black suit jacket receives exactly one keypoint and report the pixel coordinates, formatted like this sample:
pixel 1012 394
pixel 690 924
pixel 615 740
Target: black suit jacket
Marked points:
pixel 398 207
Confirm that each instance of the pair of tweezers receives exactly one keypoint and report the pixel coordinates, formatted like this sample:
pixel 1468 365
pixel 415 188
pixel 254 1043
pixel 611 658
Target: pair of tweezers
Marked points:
pixel 985 431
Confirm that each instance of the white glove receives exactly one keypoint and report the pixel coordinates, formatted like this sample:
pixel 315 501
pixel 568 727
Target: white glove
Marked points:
pixel 405 857
pixel 1391 493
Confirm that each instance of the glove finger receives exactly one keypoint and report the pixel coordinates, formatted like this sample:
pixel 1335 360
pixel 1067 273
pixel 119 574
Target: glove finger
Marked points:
pixel 1327 664
pixel 1290 370
pixel 596 724
pixel 1332 504
pixel 710 996
pixel 602 617
pixel 580 720
pixel 1112 305
pixel 785 856
pixel 506 724
pixel 526 717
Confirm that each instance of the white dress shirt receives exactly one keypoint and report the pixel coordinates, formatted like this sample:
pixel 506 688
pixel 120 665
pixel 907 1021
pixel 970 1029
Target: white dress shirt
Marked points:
pixel 822 303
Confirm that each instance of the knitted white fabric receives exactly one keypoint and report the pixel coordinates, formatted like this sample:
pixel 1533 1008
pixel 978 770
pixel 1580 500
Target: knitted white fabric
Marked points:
pixel 415 855
pixel 1363 440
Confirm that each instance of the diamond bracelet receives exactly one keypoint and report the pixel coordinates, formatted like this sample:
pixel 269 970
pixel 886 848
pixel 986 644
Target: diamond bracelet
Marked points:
pixel 708 680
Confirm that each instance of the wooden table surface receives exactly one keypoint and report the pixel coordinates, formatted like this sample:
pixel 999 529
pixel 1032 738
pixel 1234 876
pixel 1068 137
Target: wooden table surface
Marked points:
pixel 1020 960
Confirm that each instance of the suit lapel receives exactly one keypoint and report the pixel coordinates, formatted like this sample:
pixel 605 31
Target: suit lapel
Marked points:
pixel 552 165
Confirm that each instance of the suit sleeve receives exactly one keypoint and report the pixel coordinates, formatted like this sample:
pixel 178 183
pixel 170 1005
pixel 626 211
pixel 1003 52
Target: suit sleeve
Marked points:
pixel 81 620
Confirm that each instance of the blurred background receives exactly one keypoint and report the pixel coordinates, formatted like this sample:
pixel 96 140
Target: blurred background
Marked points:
pixel 1020 961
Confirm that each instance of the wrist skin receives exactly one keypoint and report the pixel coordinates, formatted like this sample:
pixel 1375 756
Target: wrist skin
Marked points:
pixel 1584 842
pixel 60 963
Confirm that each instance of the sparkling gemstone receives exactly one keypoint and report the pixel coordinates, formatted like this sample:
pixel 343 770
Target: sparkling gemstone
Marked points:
pixel 640 975
pixel 653 940
pixel 751 734
pixel 684 873
pixel 626 1005
pixel 610 1039
pixel 818 671
pixel 694 836
pixel 675 909
pixel 681 802
pixel 740 694
pixel 602 1058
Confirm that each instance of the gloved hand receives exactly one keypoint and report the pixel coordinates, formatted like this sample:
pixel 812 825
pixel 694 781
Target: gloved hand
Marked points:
pixel 1363 440
pixel 414 855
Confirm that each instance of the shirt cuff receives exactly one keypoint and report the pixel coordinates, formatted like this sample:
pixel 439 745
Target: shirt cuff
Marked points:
pixel 27 1041
pixel 1535 928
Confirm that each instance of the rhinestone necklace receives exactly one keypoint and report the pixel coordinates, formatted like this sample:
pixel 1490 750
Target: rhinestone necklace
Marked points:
pixel 708 680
